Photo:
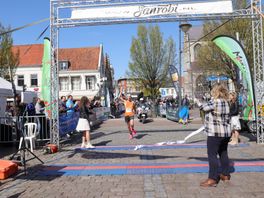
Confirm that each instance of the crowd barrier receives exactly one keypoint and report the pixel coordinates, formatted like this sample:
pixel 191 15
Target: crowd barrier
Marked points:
pixel 9 132
pixel 162 110
pixel 170 112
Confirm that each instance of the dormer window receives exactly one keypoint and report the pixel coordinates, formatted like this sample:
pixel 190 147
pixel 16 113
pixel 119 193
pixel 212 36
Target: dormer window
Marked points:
pixel 63 65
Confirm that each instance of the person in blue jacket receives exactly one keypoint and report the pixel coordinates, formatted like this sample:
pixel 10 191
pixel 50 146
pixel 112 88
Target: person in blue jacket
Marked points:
pixel 184 111
pixel 70 104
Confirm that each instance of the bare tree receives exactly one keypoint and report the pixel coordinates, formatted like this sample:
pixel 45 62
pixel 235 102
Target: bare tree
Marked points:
pixel 150 59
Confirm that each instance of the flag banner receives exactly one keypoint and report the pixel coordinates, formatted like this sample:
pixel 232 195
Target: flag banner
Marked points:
pixel 45 83
pixel 150 9
pixel 236 52
pixel 68 122
pixel 175 78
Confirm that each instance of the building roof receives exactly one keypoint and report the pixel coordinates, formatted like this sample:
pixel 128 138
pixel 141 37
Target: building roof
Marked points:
pixel 80 58
pixel 29 55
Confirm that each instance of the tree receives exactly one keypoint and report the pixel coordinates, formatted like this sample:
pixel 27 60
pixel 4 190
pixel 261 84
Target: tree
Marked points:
pixel 150 59
pixel 210 56
pixel 8 59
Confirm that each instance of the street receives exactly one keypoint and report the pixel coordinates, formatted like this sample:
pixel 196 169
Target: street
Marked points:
pixel 119 167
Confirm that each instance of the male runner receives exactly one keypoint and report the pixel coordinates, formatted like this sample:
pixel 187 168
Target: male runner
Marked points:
pixel 130 110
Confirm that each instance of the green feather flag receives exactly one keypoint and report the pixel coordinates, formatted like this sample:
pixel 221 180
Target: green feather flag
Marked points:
pixel 236 52
pixel 45 84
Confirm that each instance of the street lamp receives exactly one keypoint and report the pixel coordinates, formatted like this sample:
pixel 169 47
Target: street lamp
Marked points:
pixel 185 27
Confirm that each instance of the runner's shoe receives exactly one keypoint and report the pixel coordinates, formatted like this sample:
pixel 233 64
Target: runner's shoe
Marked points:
pixel 89 145
pixel 130 136
pixel 134 132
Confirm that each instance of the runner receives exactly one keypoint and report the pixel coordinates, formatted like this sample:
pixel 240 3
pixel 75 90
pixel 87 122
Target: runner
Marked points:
pixel 130 110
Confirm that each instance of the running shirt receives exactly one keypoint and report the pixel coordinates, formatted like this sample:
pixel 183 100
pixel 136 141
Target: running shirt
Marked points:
pixel 129 106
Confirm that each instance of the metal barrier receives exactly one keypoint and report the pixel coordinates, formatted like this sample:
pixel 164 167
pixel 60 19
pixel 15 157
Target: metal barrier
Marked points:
pixel 43 125
pixel 162 110
pixel 172 113
pixel 8 132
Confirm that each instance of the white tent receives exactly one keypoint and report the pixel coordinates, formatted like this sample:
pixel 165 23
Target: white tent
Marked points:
pixel 6 88
pixel 5 92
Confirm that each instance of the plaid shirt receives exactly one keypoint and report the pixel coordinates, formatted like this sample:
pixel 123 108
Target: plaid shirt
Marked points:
pixel 217 118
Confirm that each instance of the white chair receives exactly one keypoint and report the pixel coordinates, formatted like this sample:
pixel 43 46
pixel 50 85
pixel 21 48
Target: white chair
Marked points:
pixel 30 132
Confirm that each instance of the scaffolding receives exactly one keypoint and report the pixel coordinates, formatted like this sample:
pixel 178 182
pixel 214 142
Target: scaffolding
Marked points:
pixel 257 37
pixel 58 20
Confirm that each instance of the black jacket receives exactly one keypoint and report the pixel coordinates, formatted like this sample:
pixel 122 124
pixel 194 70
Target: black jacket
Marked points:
pixel 234 109
pixel 84 112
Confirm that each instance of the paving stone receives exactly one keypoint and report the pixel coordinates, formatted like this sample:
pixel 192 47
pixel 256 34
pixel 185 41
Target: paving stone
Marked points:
pixel 136 186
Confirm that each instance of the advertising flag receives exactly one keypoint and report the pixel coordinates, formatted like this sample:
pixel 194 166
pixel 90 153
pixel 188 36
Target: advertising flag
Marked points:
pixel 45 83
pixel 236 52
pixel 175 78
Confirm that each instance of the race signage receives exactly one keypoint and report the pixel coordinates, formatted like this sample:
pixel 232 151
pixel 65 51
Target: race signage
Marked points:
pixel 236 52
pixel 141 10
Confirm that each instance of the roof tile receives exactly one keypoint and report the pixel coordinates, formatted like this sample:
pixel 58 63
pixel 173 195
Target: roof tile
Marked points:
pixel 79 58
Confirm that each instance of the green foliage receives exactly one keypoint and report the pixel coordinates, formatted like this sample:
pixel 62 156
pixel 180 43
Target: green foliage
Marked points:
pixel 8 59
pixel 150 59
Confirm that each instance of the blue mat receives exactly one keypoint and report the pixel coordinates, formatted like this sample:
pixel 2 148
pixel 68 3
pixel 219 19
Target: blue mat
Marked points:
pixel 143 169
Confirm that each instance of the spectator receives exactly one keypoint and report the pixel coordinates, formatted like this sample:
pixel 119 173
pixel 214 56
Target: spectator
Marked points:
pixel 39 107
pixel 30 108
pixel 235 123
pixel 185 101
pixel 62 105
pixel 70 105
pixel 184 111
pixel 83 123
pixel 218 130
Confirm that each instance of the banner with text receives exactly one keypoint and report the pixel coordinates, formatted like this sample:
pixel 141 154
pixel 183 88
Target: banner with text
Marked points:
pixel 236 52
pixel 175 78
pixel 141 9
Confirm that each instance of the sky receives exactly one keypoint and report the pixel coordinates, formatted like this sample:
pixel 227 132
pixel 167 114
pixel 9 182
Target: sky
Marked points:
pixel 116 39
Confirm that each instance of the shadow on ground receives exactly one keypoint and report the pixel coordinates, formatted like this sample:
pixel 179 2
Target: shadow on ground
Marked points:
pixel 111 155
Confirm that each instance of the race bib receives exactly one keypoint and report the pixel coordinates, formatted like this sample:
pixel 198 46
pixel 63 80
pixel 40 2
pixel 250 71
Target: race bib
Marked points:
pixel 128 110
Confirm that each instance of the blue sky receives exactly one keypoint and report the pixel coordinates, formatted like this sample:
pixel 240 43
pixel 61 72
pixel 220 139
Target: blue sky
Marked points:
pixel 116 39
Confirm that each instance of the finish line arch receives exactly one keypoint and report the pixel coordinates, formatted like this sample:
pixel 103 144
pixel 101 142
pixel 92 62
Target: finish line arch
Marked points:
pixel 109 12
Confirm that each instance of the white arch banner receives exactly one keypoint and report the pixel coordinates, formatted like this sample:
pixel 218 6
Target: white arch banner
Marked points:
pixel 142 10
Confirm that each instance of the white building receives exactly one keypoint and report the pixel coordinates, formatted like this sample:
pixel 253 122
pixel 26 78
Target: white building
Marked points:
pixel 81 70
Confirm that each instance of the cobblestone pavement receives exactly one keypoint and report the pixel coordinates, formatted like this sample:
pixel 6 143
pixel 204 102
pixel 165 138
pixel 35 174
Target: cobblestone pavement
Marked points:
pixel 113 132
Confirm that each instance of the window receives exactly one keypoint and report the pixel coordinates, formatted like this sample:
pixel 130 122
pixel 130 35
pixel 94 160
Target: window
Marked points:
pixel 64 83
pixel 34 80
pixel 63 65
pixel 196 49
pixel 90 82
pixel 129 90
pixel 20 80
pixel 76 83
